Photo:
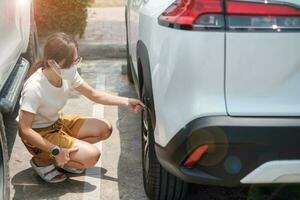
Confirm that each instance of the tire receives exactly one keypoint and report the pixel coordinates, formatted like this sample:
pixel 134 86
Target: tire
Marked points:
pixel 4 169
pixel 158 183
pixel 129 72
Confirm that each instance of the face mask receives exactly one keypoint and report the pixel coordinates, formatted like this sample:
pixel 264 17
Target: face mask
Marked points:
pixel 69 74
pixel 65 74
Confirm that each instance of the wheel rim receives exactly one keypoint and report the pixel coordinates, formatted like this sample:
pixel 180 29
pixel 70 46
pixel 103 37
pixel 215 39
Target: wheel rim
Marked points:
pixel 145 138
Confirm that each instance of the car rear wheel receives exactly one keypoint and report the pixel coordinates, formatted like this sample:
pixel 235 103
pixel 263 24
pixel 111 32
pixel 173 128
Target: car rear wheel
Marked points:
pixel 4 171
pixel 158 183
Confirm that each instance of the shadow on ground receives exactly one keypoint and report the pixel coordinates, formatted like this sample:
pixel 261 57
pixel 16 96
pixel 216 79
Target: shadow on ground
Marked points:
pixel 28 185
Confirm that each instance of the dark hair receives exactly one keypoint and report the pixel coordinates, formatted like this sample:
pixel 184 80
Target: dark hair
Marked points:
pixel 58 46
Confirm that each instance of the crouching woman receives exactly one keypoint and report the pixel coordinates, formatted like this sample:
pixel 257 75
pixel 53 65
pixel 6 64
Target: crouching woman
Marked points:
pixel 56 140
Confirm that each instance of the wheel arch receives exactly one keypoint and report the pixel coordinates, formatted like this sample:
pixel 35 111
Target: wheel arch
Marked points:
pixel 144 76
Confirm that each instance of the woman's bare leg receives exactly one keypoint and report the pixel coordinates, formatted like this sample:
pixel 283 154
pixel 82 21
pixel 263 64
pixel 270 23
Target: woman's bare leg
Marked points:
pixel 86 156
pixel 94 130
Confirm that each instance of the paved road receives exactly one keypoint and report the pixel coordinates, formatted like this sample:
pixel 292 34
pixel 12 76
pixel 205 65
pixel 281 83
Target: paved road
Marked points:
pixel 118 174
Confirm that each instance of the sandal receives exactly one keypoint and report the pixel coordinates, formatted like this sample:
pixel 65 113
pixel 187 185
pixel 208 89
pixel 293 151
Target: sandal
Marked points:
pixel 48 173
pixel 73 170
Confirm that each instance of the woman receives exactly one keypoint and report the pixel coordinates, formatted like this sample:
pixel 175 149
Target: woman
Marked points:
pixel 54 139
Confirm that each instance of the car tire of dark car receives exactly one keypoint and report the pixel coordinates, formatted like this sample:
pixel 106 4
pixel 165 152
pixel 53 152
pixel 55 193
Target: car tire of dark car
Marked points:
pixel 158 183
pixel 129 73
pixel 4 169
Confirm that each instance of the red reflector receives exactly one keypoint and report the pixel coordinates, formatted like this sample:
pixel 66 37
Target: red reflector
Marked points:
pixel 186 12
pixel 253 8
pixel 195 156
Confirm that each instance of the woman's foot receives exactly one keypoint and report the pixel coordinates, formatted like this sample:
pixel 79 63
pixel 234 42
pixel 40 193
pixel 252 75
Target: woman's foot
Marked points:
pixel 48 173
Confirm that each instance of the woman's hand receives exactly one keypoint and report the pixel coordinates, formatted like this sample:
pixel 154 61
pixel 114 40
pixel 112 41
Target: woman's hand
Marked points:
pixel 135 105
pixel 64 156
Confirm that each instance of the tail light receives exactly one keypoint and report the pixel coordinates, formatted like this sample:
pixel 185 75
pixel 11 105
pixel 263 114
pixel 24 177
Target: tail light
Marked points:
pixel 233 14
pixel 193 14
pixel 266 16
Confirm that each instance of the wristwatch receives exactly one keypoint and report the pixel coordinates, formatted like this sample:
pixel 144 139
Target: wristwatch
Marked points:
pixel 54 151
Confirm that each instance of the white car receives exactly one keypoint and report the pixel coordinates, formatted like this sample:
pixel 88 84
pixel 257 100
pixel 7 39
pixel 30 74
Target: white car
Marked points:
pixel 221 80
pixel 18 49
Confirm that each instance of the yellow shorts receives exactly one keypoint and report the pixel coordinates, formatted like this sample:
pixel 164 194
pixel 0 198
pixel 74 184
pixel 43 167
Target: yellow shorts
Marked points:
pixel 62 133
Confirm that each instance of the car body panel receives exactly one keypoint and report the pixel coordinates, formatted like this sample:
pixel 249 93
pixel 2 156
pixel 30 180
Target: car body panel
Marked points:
pixel 262 74
pixel 133 27
pixel 14 34
pixel 185 84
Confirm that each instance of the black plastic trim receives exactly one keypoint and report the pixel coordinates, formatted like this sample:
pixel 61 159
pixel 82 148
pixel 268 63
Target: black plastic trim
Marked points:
pixel 251 138
pixel 144 73
pixel 227 29
pixel 189 27
pixel 10 93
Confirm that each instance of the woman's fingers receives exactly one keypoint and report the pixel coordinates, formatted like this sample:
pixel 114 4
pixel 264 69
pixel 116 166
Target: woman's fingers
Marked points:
pixel 74 149
pixel 141 104
pixel 137 108
pixel 61 165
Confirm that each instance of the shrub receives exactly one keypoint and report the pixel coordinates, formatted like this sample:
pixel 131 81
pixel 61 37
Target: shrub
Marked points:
pixel 69 16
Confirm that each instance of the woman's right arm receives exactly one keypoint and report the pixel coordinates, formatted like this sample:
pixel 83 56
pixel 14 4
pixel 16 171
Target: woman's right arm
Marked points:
pixel 27 133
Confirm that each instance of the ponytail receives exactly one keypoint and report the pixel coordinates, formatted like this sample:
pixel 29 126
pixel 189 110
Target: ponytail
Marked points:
pixel 58 46
pixel 34 68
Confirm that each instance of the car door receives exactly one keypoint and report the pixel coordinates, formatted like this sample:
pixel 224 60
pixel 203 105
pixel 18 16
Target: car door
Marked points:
pixel 263 58
pixel 10 37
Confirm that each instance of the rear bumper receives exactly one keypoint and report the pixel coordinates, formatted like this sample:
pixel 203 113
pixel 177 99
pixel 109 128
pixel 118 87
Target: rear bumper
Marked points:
pixel 237 147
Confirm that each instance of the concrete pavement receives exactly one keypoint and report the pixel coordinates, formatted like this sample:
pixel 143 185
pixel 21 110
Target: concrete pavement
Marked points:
pixel 119 175
pixel 105 34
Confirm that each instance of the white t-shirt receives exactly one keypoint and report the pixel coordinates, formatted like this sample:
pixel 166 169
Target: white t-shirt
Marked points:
pixel 45 100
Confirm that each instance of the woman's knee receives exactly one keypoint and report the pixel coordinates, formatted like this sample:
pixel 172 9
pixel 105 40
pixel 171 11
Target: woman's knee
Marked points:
pixel 87 155
pixel 107 131
pixel 92 158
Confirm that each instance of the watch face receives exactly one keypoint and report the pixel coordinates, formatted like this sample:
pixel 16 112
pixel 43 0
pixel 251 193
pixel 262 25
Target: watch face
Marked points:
pixel 55 151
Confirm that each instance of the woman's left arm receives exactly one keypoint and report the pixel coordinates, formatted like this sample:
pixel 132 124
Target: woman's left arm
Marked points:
pixel 105 98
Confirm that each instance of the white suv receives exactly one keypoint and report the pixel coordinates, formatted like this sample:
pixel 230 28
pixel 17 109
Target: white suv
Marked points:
pixel 221 80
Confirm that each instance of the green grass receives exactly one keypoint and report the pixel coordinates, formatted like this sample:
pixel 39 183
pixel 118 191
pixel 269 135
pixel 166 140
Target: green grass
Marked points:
pixel 108 3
